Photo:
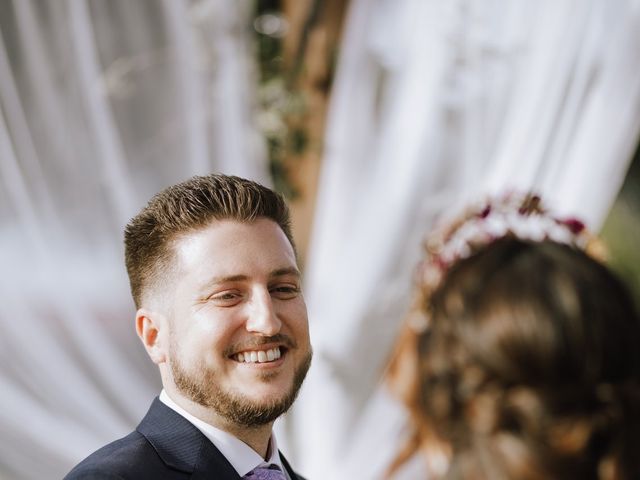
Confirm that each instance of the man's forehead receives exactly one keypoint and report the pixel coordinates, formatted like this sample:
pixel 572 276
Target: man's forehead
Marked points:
pixel 229 246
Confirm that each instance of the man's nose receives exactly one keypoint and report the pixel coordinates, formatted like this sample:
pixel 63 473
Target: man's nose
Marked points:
pixel 262 318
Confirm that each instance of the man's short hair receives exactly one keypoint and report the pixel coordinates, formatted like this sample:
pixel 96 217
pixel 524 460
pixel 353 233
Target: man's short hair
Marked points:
pixel 187 207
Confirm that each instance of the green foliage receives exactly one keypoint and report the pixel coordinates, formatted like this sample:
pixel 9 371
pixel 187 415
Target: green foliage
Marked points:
pixel 280 105
pixel 621 231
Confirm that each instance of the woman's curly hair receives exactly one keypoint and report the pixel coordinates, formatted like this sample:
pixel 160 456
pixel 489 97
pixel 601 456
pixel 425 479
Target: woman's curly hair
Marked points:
pixel 527 366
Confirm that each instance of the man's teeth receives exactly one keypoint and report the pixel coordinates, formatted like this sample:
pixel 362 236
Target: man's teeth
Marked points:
pixel 259 356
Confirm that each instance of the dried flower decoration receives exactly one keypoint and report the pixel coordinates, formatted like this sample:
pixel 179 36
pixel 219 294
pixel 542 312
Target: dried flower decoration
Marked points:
pixel 522 216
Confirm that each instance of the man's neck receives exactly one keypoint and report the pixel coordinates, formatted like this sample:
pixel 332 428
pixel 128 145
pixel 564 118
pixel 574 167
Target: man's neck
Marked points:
pixel 257 437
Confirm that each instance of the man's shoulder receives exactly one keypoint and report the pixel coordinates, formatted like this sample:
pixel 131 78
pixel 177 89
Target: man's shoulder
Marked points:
pixel 130 457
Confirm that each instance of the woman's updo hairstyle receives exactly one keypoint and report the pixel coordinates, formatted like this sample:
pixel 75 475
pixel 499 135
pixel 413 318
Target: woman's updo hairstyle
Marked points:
pixel 522 357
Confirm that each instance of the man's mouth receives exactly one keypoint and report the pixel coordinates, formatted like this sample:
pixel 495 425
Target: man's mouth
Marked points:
pixel 259 356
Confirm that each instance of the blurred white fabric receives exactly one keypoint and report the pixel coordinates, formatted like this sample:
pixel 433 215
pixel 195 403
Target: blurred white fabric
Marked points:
pixel 102 104
pixel 435 103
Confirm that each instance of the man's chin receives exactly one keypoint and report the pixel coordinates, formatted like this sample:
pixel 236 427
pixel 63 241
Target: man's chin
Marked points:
pixel 264 401
pixel 255 410
pixel 264 395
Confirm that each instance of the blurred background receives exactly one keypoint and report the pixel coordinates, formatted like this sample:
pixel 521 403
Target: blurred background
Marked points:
pixel 372 116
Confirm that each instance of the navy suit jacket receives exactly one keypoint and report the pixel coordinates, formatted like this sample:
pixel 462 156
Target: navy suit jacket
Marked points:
pixel 164 446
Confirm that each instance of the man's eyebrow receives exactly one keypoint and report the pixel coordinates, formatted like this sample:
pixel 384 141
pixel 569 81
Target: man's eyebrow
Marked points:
pixel 227 278
pixel 281 272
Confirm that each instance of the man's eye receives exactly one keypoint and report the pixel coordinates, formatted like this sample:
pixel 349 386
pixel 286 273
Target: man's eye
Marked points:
pixel 226 298
pixel 285 291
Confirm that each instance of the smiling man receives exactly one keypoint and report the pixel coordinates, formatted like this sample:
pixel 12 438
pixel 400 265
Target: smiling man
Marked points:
pixel 220 310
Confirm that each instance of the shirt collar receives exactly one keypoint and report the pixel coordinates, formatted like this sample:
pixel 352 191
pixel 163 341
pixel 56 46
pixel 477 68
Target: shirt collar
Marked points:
pixel 241 456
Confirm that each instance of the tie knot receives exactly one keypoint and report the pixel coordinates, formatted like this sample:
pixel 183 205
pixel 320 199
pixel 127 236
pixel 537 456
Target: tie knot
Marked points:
pixel 268 472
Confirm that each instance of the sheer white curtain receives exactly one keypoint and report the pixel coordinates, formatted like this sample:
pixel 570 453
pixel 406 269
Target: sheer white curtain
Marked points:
pixel 102 103
pixel 436 103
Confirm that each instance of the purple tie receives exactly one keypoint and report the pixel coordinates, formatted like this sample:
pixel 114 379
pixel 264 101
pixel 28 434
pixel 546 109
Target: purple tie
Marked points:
pixel 271 472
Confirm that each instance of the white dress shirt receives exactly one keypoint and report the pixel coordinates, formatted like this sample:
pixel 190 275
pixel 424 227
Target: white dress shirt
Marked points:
pixel 241 456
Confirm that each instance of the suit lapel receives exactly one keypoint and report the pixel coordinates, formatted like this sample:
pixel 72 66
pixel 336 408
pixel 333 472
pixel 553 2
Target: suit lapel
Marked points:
pixel 290 471
pixel 182 446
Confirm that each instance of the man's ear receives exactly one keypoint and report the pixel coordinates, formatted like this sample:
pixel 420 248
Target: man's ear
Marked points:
pixel 150 327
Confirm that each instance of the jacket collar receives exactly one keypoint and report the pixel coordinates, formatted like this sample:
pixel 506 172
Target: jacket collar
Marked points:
pixel 181 445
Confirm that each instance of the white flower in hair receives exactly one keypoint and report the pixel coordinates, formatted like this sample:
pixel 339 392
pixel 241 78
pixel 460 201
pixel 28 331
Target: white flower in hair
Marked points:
pixel 521 216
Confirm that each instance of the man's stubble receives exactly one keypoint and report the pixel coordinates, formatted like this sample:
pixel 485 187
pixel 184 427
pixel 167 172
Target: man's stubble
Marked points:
pixel 202 387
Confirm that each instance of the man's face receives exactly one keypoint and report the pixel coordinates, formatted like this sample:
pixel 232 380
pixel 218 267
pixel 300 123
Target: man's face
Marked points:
pixel 238 331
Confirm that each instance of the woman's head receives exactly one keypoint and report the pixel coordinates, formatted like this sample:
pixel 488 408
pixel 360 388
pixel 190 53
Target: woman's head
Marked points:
pixel 528 366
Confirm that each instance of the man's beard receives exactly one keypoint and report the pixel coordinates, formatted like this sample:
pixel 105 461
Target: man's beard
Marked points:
pixel 203 388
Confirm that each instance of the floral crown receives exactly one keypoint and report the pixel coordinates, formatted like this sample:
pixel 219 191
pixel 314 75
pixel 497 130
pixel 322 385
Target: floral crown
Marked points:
pixel 518 215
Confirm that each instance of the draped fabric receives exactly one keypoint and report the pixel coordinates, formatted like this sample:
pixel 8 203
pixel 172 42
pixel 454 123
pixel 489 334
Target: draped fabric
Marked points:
pixel 435 104
pixel 102 104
